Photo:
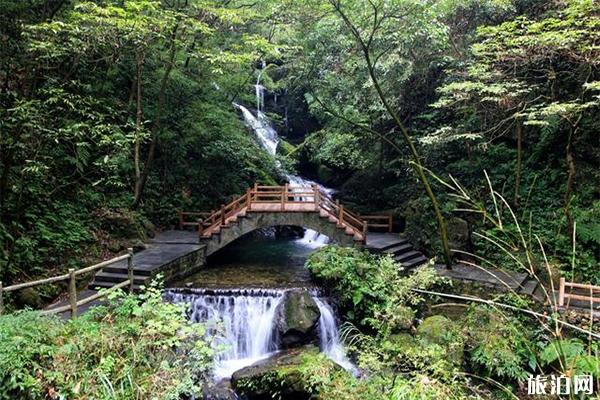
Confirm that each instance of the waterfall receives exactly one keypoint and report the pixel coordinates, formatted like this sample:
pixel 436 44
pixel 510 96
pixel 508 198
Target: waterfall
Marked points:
pixel 242 322
pixel 269 139
pixel 329 339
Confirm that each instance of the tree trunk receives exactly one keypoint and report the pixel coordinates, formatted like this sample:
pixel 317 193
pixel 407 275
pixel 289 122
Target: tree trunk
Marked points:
pixel 138 123
pixel 519 165
pixel 141 182
pixel 418 165
pixel 571 171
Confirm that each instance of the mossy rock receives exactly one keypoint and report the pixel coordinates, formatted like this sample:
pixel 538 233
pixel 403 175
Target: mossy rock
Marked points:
pixel 325 174
pixel 285 148
pixel 28 297
pixel 283 376
pixel 297 317
pixel 435 329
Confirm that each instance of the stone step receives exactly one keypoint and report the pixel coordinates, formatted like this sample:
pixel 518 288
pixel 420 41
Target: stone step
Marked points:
pixel 529 287
pixel 415 262
pixel 399 249
pixel 118 277
pixel 405 257
pixel 396 243
pixel 118 269
pixel 107 285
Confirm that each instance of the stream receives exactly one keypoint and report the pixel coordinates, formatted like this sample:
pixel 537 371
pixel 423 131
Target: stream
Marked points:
pixel 239 291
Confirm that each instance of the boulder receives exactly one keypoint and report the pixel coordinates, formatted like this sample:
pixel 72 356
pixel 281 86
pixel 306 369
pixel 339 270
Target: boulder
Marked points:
pixel 296 318
pixel 28 297
pixel 459 234
pixel 282 376
pixel 220 391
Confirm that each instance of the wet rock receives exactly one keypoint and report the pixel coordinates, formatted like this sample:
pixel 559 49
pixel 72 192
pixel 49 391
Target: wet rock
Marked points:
pixel 28 297
pixel 297 317
pixel 280 376
pixel 220 391
pixel 459 234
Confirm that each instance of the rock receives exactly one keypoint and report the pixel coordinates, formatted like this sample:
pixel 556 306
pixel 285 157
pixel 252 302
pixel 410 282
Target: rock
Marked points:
pixel 281 376
pixel 220 391
pixel 297 317
pixel 28 297
pixel 459 234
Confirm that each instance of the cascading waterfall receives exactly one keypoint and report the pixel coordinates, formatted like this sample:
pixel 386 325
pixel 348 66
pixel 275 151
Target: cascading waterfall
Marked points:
pixel 269 139
pixel 242 323
pixel 240 320
pixel 329 338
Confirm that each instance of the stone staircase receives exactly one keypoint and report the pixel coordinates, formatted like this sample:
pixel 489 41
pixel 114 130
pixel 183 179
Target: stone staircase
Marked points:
pixel 399 248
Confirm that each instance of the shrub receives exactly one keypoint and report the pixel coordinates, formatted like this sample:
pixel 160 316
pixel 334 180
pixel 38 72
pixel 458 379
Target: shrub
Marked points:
pixel 370 286
pixel 133 347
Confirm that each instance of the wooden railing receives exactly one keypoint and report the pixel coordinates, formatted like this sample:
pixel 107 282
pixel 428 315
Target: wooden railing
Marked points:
pixel 383 222
pixel 284 196
pixel 583 292
pixel 198 218
pixel 71 276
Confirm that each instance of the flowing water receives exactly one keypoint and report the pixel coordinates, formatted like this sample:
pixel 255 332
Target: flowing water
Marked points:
pixel 236 296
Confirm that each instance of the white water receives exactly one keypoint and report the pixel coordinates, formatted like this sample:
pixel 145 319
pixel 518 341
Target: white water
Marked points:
pixel 269 139
pixel 241 321
pixel 329 338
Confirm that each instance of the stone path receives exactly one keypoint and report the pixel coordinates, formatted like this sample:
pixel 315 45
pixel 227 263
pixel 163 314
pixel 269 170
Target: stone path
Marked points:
pixel 170 253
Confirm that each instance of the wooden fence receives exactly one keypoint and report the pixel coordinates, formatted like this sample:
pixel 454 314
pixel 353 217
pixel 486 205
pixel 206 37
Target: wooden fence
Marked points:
pixel 71 276
pixel 382 222
pixel 577 291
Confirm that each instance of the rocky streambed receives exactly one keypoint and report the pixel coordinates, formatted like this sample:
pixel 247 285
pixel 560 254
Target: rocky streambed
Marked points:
pixel 262 326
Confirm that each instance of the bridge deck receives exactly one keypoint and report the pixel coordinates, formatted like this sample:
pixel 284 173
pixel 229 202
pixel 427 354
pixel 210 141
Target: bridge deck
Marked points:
pixel 284 207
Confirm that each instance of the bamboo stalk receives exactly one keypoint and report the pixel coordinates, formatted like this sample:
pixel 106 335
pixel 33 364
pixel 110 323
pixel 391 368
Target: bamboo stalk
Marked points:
pixel 561 293
pixel 1 299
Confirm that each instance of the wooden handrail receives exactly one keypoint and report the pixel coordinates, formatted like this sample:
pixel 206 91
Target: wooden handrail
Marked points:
pixel 373 221
pixel 563 295
pixel 71 276
pixel 283 195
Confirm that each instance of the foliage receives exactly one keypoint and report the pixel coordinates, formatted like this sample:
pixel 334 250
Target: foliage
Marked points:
pixel 370 286
pixel 133 347
pixel 499 344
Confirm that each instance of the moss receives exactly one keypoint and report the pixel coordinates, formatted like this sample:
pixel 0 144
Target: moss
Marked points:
pixel 285 148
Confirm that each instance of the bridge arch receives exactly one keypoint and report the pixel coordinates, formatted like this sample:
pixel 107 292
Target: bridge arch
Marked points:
pixel 253 221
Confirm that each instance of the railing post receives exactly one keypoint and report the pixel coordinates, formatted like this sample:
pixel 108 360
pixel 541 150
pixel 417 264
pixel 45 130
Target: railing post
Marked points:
pixel 317 196
pixel 561 293
pixel 180 220
pixel 130 268
pixel 341 217
pixel 1 299
pixel 73 292
pixel 284 196
pixel 222 214
pixel 390 223
pixel 200 226
pixel 248 199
